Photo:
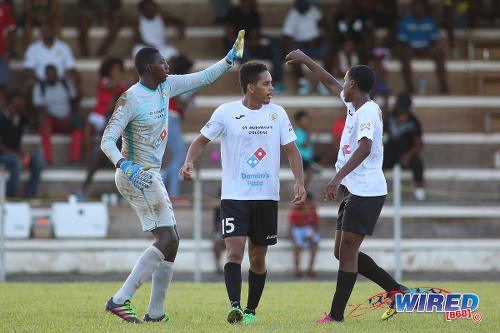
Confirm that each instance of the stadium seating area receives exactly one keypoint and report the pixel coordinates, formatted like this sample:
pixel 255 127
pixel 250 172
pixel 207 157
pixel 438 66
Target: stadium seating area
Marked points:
pixel 461 137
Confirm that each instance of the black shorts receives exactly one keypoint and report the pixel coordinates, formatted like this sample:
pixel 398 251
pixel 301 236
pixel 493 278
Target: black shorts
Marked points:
pixel 257 219
pixel 358 214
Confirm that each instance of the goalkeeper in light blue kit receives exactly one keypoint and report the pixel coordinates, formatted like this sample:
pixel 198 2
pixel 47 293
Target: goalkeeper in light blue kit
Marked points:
pixel 141 119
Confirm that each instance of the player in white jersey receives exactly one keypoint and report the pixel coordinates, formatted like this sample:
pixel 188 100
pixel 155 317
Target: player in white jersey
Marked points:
pixel 252 132
pixel 141 119
pixel 359 180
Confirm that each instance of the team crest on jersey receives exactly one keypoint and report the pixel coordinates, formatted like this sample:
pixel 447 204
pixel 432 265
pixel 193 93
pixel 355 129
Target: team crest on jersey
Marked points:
pixel 164 93
pixel 346 150
pixel 273 116
pixel 256 157
pixel 160 139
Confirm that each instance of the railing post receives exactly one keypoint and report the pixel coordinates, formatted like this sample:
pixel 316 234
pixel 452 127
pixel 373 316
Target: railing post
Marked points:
pixel 197 215
pixel 396 189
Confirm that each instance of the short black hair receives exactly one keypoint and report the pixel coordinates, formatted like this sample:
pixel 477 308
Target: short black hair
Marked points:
pixel 145 56
pixel 107 65
pixel 299 115
pixel 142 4
pixel 249 73
pixel 364 77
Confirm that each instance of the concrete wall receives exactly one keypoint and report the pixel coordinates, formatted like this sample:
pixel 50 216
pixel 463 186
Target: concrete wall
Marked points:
pixel 101 256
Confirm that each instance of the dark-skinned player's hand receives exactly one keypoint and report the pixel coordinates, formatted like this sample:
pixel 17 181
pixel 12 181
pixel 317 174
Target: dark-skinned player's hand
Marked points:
pixel 331 189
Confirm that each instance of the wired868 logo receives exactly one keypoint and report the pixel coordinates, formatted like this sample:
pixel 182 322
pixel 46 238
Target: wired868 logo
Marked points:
pixel 256 157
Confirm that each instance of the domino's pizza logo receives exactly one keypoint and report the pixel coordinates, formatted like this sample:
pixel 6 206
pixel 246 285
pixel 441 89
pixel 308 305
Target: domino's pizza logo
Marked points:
pixel 160 139
pixel 256 157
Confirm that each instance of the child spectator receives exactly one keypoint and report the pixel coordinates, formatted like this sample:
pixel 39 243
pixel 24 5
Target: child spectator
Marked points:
pixel 110 86
pixel 40 12
pixel 304 228
pixel 101 10
pixel 405 142
pixel 55 101
pixel 7 34
pixel 175 144
pixel 150 29
pixel 12 123
pixel 245 17
pixel 304 144
pixel 301 30
pixel 418 34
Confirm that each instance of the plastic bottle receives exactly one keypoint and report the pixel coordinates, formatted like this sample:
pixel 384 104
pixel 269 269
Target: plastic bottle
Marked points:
pixel 422 85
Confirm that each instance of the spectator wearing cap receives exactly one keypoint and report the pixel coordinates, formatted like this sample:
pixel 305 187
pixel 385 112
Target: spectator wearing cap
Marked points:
pixel 404 143
pixel 12 123
pixel 417 35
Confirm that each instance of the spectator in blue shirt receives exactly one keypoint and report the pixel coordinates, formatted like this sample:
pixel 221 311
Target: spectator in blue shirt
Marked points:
pixel 418 34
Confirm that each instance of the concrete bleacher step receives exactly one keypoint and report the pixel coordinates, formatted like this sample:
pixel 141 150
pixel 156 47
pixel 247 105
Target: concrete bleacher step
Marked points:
pixel 462 150
pixel 465 77
pixel 442 185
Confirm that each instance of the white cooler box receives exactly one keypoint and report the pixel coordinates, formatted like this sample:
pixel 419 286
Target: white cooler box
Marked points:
pixel 80 220
pixel 17 220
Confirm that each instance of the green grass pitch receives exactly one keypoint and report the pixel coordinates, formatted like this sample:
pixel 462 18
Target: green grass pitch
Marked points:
pixel 284 307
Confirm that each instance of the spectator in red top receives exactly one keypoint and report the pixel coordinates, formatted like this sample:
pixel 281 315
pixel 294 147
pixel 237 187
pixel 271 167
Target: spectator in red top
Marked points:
pixel 337 129
pixel 175 144
pixel 304 227
pixel 7 33
pixel 110 85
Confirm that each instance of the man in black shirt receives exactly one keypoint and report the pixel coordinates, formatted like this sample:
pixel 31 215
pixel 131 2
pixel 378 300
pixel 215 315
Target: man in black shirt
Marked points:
pixel 256 46
pixel 405 142
pixel 12 123
pixel 351 31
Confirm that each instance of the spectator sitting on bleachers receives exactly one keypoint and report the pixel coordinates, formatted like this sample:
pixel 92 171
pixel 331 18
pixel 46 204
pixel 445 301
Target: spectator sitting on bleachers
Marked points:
pixel 12 123
pixel 351 33
pixel 177 107
pixel 110 86
pixel 418 34
pixel 405 142
pixel 256 46
pixel 55 101
pixel 301 30
pixel 150 29
pixel 304 228
pixel 457 14
pixel 380 87
pixel 382 14
pixel 7 32
pixel 337 129
pixel 38 12
pixel 50 50
pixel 102 11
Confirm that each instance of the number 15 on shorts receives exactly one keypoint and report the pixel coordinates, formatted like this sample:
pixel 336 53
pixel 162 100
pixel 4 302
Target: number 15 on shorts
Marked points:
pixel 227 225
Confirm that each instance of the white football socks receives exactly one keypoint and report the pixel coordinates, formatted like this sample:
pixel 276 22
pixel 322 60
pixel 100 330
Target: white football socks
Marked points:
pixel 143 269
pixel 161 281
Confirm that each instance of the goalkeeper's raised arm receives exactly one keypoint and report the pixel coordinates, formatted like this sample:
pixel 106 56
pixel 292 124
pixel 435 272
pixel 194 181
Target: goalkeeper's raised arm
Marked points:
pixel 179 84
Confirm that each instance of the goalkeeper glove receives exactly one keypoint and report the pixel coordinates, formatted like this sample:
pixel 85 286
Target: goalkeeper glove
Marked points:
pixel 236 53
pixel 137 174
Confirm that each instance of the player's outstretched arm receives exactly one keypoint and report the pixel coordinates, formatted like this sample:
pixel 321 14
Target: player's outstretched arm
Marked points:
pixel 359 155
pixel 295 161
pixel 297 57
pixel 179 84
pixel 194 151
